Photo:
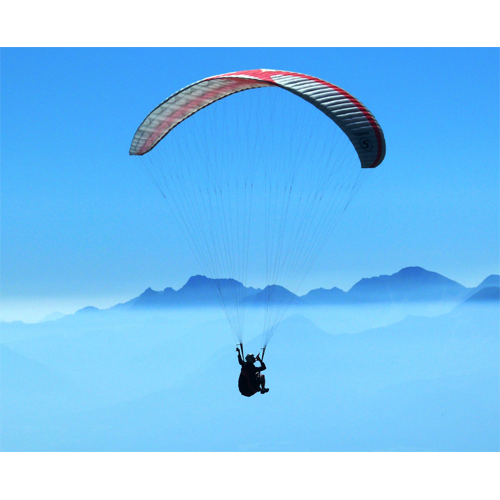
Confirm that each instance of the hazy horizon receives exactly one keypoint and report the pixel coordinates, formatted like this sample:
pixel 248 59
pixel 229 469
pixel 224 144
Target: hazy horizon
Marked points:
pixel 137 382
pixel 35 310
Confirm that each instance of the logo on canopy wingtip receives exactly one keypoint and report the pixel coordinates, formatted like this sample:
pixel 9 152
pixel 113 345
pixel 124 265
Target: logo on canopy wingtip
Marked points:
pixel 366 144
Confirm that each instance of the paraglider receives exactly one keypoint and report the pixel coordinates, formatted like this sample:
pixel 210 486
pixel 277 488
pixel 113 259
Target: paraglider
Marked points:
pixel 258 176
pixel 251 379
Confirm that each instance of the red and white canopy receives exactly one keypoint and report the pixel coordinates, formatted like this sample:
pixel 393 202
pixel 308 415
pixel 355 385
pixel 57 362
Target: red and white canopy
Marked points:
pixel 346 111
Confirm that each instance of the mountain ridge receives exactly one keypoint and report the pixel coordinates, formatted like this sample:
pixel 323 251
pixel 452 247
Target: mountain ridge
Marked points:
pixel 410 284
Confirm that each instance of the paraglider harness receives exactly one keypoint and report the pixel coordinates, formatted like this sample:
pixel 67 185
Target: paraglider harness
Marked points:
pixel 247 385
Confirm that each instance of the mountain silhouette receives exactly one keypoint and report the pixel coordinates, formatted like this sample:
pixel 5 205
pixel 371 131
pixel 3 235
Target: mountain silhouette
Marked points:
pixel 492 280
pixel 88 310
pixel 325 296
pixel 487 294
pixel 207 291
pixel 274 294
pixel 198 291
pixel 409 284
pixel 151 298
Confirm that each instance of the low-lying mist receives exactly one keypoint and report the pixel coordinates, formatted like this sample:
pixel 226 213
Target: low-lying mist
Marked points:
pixel 357 377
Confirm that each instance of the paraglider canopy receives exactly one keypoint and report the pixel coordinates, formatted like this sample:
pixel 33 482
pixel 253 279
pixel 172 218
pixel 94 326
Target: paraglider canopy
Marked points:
pixel 345 110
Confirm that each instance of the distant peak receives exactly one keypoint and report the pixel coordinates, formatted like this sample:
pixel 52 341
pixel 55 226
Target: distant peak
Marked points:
pixel 321 289
pixel 88 309
pixel 491 280
pixel 487 294
pixel 201 281
pixel 413 269
pixel 196 280
pixel 198 277
pixel 273 287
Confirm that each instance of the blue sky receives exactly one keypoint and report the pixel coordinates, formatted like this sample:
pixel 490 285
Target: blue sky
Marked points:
pixel 82 224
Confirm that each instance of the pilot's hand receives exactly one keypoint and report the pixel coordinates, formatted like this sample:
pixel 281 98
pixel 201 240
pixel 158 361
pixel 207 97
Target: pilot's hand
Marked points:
pixel 257 357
